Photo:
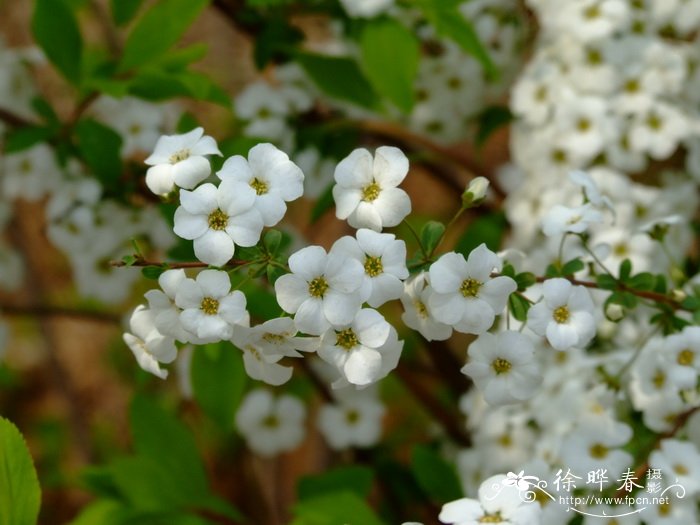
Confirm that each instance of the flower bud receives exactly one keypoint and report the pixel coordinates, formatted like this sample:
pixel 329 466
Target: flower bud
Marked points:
pixel 476 192
pixel 614 312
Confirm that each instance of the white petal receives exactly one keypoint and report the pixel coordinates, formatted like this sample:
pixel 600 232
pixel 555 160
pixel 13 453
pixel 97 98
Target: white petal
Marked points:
pixel 309 262
pixel 340 309
pixel 363 366
pixel 191 171
pixel 355 170
pixel 309 317
pixel 393 205
pixel 160 179
pixel 214 283
pixel 390 166
pixel 189 226
pixel 201 201
pixel 448 273
pixel 346 201
pixel 291 291
pixel 214 247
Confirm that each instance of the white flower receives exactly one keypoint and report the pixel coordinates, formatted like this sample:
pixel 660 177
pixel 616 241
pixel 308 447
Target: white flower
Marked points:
pixel 366 192
pixel 323 289
pixel 179 160
pixel 679 461
pixel 148 345
pixel 590 189
pixel 465 296
pixel 209 310
pixel 658 131
pixel 162 304
pixel 355 349
pixel 356 422
pixel 595 444
pixel 564 315
pixel 415 301
pixel 366 8
pixel 384 260
pixel 497 503
pixel 682 353
pixel 503 367
pixel 562 219
pixel 265 345
pixel 476 191
pixel 271 425
pixel 269 172
pixel 29 174
pixel 265 109
pixel 216 218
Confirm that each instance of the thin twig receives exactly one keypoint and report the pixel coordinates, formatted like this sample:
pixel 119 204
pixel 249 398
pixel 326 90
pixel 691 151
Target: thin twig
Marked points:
pixel 13 120
pixel 175 265
pixel 38 310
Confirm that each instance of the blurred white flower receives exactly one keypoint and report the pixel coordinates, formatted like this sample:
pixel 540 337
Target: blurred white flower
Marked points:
pixel 271 425
pixel 503 367
pixel 562 219
pixel 356 422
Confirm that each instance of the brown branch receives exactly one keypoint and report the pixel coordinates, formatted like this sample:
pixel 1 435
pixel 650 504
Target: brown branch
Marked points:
pixel 621 287
pixel 448 366
pixel 13 120
pixel 678 424
pixel 423 394
pixel 175 265
pixel 57 311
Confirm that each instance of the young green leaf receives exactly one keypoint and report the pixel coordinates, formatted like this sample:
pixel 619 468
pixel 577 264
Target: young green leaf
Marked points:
pixel 158 30
pixel 434 475
pixel 518 307
pixel 333 508
pixel 355 478
pixel 20 495
pixel 572 266
pixel 340 78
pixel 56 30
pixel 100 148
pixel 390 55
pixel 430 235
pixel 124 10
pixel 218 382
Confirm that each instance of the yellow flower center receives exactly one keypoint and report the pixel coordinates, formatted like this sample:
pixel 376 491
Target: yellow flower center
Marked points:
pixel 318 287
pixel 470 287
pixel 686 357
pixel 561 315
pixel 218 220
pixel 259 186
pixel 209 306
pixel 491 518
pixel 659 379
pixel 346 339
pixel 598 451
pixel 179 156
pixel 679 469
pixel 373 266
pixel 271 421
pixel 421 308
pixel 371 192
pixel 273 338
pixel 352 416
pixel 501 366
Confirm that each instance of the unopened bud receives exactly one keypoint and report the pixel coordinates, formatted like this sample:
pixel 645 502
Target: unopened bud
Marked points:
pixel 614 312
pixel 476 192
pixel 678 295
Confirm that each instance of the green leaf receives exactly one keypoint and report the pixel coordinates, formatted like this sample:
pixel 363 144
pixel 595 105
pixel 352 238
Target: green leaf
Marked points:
pixel 606 282
pixel 571 267
pixel 158 30
pixel 157 85
pixel 518 307
pixel 490 120
pixel 643 281
pixel 56 30
pixel 218 381
pixel 324 203
pixel 100 147
pixel 20 495
pixel 625 270
pixel 390 55
pixel 160 435
pixel 124 10
pixel 340 78
pixel 275 41
pixel 19 139
pixel 272 240
pixel 152 272
pixel 524 280
pixel 488 229
pixel 434 475
pixel 625 299
pixel 334 508
pixel 356 479
pixel 450 23
pixel 691 303
pixel 430 235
